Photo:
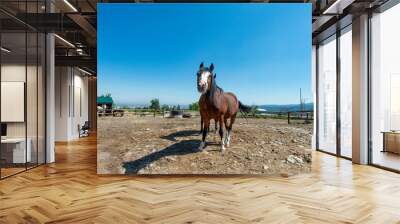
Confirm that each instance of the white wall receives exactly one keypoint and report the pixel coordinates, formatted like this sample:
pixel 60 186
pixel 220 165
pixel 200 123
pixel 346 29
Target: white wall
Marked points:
pixel 9 73
pixel 17 72
pixel 62 82
pixel 33 126
pixel 71 102
pixel 79 110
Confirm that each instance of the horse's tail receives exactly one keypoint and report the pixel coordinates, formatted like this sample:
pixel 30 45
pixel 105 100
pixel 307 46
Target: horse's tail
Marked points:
pixel 244 108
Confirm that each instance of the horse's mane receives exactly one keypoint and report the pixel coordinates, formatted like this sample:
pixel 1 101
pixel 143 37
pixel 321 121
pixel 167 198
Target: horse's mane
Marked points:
pixel 213 90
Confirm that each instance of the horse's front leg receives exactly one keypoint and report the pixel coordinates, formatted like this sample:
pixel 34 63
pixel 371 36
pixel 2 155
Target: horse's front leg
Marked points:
pixel 206 127
pixel 221 133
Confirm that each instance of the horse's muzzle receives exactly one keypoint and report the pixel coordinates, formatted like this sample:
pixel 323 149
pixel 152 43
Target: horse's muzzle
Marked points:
pixel 201 88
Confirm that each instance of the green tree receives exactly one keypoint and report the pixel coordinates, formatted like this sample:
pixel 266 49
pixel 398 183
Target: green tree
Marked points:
pixel 194 106
pixel 178 107
pixel 165 107
pixel 155 104
pixel 254 110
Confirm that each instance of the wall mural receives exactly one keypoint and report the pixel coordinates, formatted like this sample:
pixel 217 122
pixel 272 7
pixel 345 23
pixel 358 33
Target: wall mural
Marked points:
pixel 204 89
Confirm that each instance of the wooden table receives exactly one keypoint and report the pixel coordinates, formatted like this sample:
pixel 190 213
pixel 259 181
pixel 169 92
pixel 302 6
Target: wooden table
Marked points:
pixel 391 141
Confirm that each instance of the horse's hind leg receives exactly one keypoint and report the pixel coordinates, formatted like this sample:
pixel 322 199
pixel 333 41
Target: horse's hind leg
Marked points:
pixel 216 120
pixel 221 132
pixel 229 130
pixel 201 124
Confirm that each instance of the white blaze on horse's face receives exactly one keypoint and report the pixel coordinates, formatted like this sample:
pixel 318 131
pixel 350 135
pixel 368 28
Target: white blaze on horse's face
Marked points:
pixel 203 82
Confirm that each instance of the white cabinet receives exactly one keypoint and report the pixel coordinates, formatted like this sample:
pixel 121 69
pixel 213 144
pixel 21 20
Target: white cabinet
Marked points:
pixel 16 149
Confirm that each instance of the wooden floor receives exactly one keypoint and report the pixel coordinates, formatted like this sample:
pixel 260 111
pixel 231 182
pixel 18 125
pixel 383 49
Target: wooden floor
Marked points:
pixel 386 159
pixel 69 191
pixel 5 172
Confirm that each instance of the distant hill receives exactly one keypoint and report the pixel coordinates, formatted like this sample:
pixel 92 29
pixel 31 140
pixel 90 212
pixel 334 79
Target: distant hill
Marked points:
pixel 287 107
pixel 267 107
pixel 138 105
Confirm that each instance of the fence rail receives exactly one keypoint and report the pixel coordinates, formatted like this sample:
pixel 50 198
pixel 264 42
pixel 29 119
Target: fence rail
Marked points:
pixel 307 116
pixel 290 116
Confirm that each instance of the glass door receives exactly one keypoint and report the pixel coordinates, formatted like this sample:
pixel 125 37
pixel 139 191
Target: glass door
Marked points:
pixel 22 77
pixel 327 95
pixel 14 153
pixel 385 89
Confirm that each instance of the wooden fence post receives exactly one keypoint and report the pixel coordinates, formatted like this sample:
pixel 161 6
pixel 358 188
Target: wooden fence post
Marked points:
pixel 288 117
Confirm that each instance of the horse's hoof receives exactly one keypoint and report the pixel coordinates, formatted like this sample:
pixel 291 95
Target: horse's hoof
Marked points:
pixel 201 147
pixel 222 149
pixel 226 143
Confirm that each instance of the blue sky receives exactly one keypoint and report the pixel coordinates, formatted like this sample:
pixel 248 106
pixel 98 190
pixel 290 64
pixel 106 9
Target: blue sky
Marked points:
pixel 261 52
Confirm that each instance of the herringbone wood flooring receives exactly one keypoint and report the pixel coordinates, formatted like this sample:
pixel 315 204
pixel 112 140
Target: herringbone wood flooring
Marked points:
pixel 69 191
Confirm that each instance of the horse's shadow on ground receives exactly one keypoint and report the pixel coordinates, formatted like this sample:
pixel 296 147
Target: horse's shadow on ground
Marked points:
pixel 180 148
pixel 183 133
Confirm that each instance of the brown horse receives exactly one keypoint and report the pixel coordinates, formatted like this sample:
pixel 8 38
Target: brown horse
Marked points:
pixel 216 104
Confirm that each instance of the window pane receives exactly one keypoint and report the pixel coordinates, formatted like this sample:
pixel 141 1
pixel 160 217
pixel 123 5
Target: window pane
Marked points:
pixel 327 96
pixel 41 98
pixel 22 88
pixel 346 93
pixel 385 91
pixel 14 153
pixel 31 97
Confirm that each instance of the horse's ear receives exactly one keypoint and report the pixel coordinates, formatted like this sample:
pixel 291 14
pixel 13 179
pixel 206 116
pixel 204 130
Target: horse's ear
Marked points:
pixel 201 65
pixel 212 67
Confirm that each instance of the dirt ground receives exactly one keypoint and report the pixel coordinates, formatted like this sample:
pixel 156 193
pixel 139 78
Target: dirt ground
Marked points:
pixel 148 145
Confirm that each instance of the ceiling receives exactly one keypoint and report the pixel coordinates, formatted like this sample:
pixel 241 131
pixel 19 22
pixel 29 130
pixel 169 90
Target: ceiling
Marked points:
pixel 75 21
